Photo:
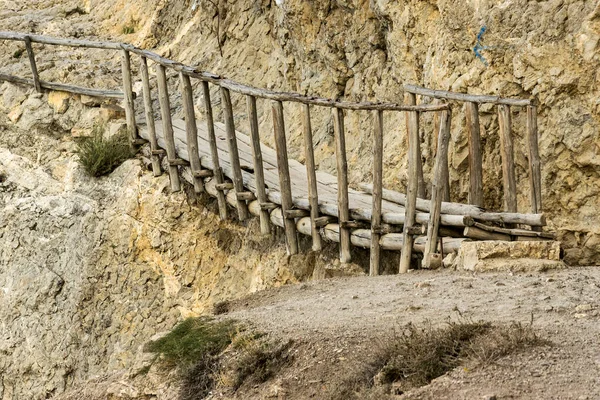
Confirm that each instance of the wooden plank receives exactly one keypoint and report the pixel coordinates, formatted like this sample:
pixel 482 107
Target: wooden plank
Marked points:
pixel 515 232
pixel 234 156
pixel 535 173
pixel 458 209
pixel 167 125
pixel 109 94
pixel 284 176
pixel 475 160
pixel 214 152
pixel 375 256
pixel 412 119
pixel 432 259
pixel 191 131
pixel 442 94
pixel 473 232
pixel 32 64
pixel 311 174
pixel 412 192
pixel 128 91
pixel 508 161
pixel 261 193
pixel 149 112
pixel 61 42
pixel 342 178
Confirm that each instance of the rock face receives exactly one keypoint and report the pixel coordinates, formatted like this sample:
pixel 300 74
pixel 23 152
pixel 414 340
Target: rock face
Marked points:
pixel 90 269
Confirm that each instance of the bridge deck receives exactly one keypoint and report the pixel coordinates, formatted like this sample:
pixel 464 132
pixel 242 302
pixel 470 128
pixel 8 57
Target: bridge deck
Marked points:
pixel 360 202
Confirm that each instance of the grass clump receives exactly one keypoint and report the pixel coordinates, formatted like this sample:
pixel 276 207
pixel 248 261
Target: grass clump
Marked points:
pixel 100 156
pixel 18 53
pixel 418 355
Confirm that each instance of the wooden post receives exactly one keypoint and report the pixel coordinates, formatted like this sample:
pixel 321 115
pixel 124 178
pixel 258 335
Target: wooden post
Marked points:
pixel 149 112
pixel 128 91
pixel 214 151
pixel 165 111
pixel 535 173
pixel 34 70
pixel 234 155
pixel 259 174
pixel 508 161
pixel 311 174
pixel 412 189
pixel 191 130
pixel 431 258
pixel 375 260
pixel 412 118
pixel 436 130
pixel 284 177
pixel 342 183
pixel 475 161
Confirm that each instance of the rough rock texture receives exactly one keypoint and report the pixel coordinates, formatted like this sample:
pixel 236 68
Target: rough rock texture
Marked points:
pixel 90 269
pixel 509 256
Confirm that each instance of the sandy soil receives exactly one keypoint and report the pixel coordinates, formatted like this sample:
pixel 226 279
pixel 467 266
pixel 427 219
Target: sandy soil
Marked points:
pixel 338 323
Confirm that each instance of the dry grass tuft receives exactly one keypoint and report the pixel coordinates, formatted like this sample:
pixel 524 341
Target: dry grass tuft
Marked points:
pixel 100 156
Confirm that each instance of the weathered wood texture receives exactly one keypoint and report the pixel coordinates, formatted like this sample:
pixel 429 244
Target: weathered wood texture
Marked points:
pixel 149 113
pixel 442 94
pixel 412 120
pixel 375 255
pixel 342 179
pixel 311 174
pixel 32 64
pixel 412 191
pixel 214 151
pixel 535 173
pixel 508 158
pixel 431 258
pixel 238 183
pixel 167 126
pixel 261 192
pixel 128 91
pixel 475 160
pixel 109 94
pixel 191 131
pixel 285 182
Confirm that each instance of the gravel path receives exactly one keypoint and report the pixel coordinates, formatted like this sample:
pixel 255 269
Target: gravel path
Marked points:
pixel 341 318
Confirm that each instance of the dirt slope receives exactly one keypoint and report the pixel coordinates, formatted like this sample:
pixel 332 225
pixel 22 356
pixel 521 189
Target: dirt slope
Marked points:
pixel 338 323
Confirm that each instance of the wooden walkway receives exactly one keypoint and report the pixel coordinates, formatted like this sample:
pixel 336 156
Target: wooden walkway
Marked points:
pixel 242 172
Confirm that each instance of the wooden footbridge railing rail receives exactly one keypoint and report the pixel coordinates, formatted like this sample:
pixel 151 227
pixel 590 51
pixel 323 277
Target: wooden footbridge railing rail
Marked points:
pixel 313 212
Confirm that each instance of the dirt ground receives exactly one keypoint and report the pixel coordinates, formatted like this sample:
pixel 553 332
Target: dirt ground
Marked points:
pixel 337 325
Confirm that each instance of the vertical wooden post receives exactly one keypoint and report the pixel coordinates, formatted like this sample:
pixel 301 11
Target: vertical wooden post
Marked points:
pixel 342 183
pixel 149 112
pixel 261 193
pixel 412 119
pixel 128 91
pixel 32 64
pixel 508 161
pixel 375 260
pixel 234 155
pixel 412 189
pixel 535 173
pixel 431 258
pixel 165 111
pixel 284 177
pixel 214 151
pixel 191 131
pixel 475 161
pixel 311 173
pixel 436 129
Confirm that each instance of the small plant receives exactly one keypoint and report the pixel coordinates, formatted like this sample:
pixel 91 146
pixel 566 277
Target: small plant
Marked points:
pixel 193 348
pixel 418 355
pixel 129 27
pixel 18 53
pixel 100 156
pixel 260 361
pixel 221 307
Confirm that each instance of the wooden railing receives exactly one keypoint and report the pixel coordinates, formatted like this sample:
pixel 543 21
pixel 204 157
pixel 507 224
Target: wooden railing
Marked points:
pixel 260 202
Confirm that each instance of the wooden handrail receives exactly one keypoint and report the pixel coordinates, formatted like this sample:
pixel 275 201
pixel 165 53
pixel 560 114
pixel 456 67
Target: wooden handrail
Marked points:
pixel 474 98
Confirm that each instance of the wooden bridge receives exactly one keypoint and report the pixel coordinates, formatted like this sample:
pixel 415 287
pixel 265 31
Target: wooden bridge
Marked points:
pixel 243 173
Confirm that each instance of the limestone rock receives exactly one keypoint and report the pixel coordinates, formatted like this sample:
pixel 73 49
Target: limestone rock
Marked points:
pixel 508 256
pixel 59 101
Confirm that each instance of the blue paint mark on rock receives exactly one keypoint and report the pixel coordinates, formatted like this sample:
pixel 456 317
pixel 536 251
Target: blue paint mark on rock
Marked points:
pixel 479 46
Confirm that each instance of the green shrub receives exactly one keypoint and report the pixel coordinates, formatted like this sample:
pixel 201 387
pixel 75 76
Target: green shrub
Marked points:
pixel 18 53
pixel 100 156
